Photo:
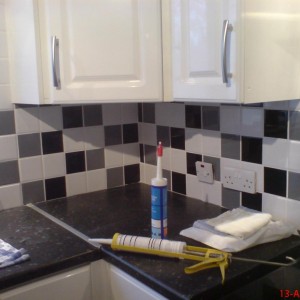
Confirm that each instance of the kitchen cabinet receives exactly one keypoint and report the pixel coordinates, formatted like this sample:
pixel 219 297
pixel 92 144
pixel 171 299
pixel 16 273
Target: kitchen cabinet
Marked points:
pixel 119 285
pixel 73 284
pixel 71 51
pixel 235 50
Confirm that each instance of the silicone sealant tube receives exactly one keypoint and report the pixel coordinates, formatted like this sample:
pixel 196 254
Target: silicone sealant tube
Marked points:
pixel 159 194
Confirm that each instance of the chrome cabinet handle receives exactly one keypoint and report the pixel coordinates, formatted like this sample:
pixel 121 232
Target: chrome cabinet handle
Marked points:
pixel 55 62
pixel 226 28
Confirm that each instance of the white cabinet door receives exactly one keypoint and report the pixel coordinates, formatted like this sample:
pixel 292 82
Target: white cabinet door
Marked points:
pixel 71 285
pixel 106 50
pixel 197 27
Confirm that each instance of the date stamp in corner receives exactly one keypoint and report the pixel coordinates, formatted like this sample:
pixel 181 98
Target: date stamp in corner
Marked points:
pixel 291 294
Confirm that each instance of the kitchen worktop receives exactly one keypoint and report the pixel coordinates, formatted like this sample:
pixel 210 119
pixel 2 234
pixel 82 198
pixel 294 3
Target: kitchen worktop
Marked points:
pixel 127 210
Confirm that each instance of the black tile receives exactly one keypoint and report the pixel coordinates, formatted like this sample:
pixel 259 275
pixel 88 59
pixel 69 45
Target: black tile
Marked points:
pixel 276 123
pixel 72 116
pixel 253 201
pixel 191 159
pixel 52 142
pixel 92 115
pixel 33 192
pixel 193 116
pixel 55 188
pixel 150 155
pixel 130 133
pixel 275 181
pixel 140 112
pixel 7 122
pixel 178 138
pixel 179 183
pixel 113 135
pixel 211 117
pixel 142 153
pixel 75 162
pixel 252 150
pixel 95 159
pixel 163 135
pixel 149 113
pixel 132 173
pixel 29 145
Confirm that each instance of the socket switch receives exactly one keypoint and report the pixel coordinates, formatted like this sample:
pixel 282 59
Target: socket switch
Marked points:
pixel 204 172
pixel 238 179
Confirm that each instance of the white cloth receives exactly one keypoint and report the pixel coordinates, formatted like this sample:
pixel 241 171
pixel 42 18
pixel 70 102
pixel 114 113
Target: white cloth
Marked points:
pixel 240 222
pixel 10 255
pixel 202 232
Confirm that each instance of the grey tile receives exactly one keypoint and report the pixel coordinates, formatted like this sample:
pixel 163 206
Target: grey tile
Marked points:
pixel 7 122
pixel 33 192
pixel 92 115
pixel 29 145
pixel 293 186
pixel 230 198
pixel 115 177
pixel 211 117
pixel 149 113
pixel 230 146
pixel 295 125
pixel 113 135
pixel 95 159
pixel 9 172
pixel 216 166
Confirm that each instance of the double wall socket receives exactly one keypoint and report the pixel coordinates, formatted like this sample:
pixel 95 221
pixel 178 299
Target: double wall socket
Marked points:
pixel 238 179
pixel 204 172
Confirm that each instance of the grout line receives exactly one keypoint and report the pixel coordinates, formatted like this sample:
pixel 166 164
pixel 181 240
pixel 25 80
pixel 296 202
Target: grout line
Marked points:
pixel 64 225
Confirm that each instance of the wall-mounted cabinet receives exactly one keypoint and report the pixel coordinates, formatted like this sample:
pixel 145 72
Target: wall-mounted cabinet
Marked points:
pixel 76 51
pixel 235 50
pixel 73 51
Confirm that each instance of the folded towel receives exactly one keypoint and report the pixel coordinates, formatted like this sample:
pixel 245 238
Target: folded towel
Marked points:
pixel 240 222
pixel 10 255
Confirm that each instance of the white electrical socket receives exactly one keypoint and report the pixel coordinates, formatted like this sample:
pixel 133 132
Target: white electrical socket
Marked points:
pixel 238 179
pixel 204 172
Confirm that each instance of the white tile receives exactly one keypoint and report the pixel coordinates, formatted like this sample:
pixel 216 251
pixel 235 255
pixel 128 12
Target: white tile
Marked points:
pixel 178 161
pixel 167 159
pixel 131 153
pixel 51 118
pixel 194 188
pixel 73 139
pixel 259 172
pixel 294 156
pixel 8 147
pixel 230 119
pixel 31 169
pixel 148 134
pixel 5 97
pixel 211 143
pixel 275 153
pixel 275 205
pixel 113 156
pixel 27 120
pixel 76 184
pixel 193 140
pixel 212 193
pixel 277 105
pixel 4 74
pixel 150 172
pixel 129 113
pixel 96 180
pixel 170 114
pixel 3 44
pixel 252 122
pixel 142 173
pixel 10 196
pixel 54 165
pixel 111 114
pixel 292 212
pixel 94 137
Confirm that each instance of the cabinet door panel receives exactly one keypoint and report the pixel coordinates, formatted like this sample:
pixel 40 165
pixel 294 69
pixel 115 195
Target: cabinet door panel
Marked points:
pixel 108 50
pixel 197 34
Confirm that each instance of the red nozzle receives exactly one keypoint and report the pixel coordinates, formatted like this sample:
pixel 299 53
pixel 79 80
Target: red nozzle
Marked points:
pixel 159 149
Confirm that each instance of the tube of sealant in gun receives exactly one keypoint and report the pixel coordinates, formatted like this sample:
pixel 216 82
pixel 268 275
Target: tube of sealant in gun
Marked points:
pixel 159 221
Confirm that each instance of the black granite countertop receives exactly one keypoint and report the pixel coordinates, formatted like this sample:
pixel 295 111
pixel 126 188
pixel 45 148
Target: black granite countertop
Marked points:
pixel 51 248
pixel 127 210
